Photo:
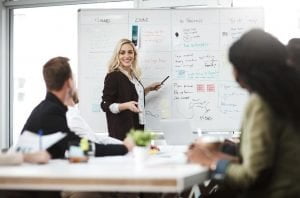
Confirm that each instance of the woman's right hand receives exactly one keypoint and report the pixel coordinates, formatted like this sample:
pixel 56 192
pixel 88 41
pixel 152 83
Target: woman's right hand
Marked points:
pixel 131 106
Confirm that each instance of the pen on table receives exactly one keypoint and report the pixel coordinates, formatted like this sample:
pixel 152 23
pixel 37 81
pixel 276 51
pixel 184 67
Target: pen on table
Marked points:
pixel 40 133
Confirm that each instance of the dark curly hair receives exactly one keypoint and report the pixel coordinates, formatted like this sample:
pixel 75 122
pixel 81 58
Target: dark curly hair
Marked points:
pixel 260 60
pixel 293 50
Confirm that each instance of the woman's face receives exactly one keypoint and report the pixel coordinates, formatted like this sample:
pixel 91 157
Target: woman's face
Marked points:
pixel 238 79
pixel 126 56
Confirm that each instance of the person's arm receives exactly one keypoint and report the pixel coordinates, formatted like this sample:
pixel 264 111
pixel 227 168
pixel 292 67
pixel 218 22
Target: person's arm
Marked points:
pixel 54 123
pixel 110 91
pixel 11 158
pixel 207 154
pixel 257 150
pixel 41 157
pixel 114 149
pixel 110 94
pixel 58 123
pixel 14 158
pixel 58 150
pixel 153 87
pixel 257 147
pixel 79 125
pixel 131 106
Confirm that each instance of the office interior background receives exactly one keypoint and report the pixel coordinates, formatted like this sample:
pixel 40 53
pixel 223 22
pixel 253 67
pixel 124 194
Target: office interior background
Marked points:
pixel 33 31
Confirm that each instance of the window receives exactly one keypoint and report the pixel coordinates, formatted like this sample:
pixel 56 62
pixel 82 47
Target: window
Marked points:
pixel 38 35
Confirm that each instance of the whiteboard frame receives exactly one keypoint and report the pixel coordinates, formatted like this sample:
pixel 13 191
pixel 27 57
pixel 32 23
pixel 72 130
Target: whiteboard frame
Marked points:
pixel 45 3
pixel 175 3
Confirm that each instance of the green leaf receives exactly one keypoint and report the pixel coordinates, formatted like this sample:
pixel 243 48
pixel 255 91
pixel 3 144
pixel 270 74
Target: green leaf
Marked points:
pixel 140 137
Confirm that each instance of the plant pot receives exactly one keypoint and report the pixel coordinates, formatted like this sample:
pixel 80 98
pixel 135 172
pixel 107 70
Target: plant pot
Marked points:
pixel 140 155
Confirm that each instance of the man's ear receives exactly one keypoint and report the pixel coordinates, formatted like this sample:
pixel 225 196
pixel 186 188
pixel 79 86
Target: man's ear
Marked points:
pixel 69 83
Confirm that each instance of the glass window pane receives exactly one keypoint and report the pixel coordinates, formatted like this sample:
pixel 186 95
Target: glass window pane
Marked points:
pixel 40 34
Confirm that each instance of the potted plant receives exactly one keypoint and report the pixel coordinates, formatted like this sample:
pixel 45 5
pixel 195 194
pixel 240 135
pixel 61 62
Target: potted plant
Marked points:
pixel 142 140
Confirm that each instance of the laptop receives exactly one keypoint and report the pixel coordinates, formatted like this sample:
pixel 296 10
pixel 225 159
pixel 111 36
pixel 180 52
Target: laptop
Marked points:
pixel 178 131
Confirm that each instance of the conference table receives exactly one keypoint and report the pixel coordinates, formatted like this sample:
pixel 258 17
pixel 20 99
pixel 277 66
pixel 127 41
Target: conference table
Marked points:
pixel 162 172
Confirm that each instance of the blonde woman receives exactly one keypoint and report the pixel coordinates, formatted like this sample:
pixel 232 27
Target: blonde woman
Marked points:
pixel 123 97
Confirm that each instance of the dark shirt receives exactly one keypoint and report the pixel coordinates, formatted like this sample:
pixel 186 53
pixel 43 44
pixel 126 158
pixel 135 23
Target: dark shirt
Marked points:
pixel 119 89
pixel 50 117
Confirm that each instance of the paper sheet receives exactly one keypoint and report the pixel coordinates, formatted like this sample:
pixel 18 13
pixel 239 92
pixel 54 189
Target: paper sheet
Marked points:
pixel 32 142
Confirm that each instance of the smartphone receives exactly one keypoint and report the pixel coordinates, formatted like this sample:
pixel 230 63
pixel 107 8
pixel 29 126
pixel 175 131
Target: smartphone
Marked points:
pixel 162 82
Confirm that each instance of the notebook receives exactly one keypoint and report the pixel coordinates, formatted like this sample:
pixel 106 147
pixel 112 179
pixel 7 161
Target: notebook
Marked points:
pixel 178 131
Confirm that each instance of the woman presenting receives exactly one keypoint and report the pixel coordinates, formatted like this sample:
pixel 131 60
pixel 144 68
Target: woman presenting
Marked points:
pixel 123 97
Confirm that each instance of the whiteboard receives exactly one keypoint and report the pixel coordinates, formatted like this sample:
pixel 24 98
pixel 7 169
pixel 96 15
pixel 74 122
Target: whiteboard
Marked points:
pixel 190 45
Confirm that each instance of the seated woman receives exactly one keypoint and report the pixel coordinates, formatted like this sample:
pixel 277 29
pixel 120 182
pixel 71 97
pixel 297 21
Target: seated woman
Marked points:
pixel 270 132
pixel 293 49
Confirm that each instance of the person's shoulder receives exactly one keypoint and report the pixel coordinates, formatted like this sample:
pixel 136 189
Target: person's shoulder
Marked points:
pixel 257 100
pixel 257 103
pixel 49 107
pixel 114 75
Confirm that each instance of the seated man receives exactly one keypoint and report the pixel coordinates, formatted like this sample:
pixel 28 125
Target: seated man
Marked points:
pixel 50 115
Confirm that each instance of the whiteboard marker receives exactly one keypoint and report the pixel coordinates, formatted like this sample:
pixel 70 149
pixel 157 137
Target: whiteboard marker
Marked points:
pixel 162 82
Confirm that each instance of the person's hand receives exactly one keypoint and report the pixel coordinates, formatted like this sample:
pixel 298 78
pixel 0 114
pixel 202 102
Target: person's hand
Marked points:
pixel 207 154
pixel 155 86
pixel 41 157
pixel 129 143
pixel 199 155
pixel 131 106
pixel 209 145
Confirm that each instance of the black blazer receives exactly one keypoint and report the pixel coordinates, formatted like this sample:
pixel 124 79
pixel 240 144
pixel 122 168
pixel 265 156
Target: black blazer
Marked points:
pixel 50 116
pixel 119 89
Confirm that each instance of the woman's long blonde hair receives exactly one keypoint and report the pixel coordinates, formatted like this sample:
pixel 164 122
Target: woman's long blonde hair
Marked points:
pixel 114 63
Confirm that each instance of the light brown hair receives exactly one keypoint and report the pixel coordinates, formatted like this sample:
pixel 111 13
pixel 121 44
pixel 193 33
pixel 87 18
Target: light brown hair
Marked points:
pixel 56 71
